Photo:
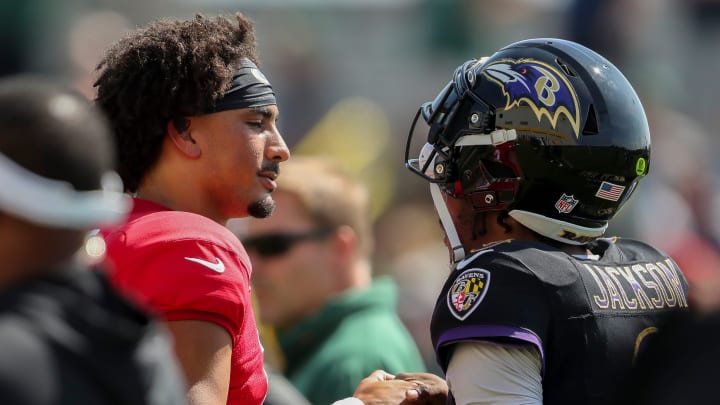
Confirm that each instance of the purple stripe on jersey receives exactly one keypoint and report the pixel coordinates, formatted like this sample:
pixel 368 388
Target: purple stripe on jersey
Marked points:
pixel 480 332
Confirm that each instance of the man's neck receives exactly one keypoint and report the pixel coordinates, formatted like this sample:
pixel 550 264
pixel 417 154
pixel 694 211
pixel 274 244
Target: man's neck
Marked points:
pixel 177 200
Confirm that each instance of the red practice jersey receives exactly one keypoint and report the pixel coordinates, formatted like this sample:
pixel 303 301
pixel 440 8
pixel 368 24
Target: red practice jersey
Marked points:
pixel 184 266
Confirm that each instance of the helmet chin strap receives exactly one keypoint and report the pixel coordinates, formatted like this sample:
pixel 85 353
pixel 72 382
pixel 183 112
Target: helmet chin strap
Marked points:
pixel 458 252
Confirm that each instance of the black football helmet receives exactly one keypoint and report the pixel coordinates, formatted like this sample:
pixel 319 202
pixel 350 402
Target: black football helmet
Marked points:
pixel 546 129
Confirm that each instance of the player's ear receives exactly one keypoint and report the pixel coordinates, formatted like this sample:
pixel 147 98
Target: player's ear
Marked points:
pixel 178 130
pixel 346 240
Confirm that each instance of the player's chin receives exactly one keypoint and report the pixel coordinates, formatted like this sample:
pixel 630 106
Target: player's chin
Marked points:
pixel 262 208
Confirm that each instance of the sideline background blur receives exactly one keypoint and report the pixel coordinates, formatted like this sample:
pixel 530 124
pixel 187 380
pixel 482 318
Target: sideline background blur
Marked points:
pixel 350 75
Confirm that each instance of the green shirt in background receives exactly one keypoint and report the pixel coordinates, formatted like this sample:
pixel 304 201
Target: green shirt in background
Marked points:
pixel 328 353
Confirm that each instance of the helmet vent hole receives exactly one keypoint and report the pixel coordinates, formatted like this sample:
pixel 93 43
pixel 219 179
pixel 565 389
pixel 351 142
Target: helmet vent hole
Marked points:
pixel 591 123
pixel 565 67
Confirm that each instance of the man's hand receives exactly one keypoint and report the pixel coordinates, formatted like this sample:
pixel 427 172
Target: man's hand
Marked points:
pixel 430 390
pixel 382 388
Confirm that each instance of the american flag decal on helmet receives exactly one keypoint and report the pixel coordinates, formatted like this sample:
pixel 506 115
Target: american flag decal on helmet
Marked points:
pixel 609 191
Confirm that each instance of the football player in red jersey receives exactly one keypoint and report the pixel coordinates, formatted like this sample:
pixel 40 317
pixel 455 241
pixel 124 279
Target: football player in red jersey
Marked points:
pixel 195 126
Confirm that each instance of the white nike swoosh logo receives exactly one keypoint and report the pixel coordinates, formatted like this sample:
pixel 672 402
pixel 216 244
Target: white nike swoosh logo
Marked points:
pixel 218 267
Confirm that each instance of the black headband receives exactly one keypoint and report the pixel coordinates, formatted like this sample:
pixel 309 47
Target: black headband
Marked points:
pixel 249 88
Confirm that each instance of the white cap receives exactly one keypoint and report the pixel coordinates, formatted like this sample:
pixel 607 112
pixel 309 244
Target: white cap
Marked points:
pixel 56 203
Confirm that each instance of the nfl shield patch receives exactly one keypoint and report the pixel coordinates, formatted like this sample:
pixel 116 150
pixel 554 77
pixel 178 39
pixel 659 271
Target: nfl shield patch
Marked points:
pixel 467 291
pixel 566 203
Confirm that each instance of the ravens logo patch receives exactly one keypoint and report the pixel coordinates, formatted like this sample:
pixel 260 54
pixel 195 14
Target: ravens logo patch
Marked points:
pixel 467 291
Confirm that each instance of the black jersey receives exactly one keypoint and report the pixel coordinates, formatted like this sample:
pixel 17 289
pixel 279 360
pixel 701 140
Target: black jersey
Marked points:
pixel 589 318
pixel 69 338
pixel 680 366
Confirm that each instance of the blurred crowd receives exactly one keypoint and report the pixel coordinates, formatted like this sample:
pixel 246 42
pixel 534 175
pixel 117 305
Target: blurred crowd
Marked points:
pixel 350 75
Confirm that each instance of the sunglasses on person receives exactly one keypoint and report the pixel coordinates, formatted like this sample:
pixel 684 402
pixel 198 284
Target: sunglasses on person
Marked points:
pixel 276 244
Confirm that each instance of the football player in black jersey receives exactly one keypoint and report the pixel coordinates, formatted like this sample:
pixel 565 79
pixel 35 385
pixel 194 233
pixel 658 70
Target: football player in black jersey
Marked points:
pixel 530 153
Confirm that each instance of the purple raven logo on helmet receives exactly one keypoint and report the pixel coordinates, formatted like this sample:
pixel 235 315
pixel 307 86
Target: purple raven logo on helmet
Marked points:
pixel 542 87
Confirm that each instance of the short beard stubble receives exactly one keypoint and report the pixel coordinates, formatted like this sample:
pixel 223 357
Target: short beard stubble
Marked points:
pixel 262 208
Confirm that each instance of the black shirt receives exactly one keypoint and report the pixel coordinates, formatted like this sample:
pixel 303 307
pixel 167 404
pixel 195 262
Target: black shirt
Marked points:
pixel 69 338
pixel 681 365
pixel 589 319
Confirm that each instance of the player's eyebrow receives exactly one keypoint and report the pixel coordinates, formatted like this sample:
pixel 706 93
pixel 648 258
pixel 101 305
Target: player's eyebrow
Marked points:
pixel 264 111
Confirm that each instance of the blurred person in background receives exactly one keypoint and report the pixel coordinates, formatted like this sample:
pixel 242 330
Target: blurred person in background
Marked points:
pixel 195 126
pixel 413 259
pixel 67 336
pixel 529 154
pixel 313 280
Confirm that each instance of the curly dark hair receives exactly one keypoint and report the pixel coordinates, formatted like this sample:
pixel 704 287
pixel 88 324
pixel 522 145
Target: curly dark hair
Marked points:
pixel 165 71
